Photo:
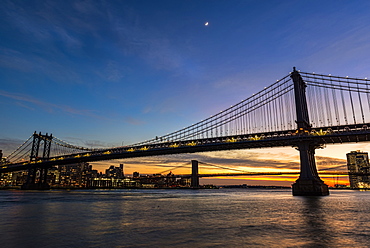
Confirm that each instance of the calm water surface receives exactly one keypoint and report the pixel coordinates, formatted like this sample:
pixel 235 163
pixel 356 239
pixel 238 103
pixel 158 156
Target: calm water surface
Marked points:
pixel 183 218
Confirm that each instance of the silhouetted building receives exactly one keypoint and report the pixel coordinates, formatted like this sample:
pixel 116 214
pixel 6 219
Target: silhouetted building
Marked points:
pixel 358 162
pixel 75 175
pixel 114 172
pixel 114 183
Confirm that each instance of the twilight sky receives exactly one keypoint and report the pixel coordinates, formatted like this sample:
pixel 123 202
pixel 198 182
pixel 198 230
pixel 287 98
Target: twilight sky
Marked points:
pixel 107 73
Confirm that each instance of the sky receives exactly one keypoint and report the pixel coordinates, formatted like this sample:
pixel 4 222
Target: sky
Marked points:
pixel 110 73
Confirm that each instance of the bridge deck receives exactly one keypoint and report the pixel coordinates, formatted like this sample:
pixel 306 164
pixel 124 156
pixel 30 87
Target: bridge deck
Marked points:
pixel 319 136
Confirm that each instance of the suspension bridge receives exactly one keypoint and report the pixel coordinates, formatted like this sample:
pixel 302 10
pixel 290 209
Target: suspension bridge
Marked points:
pixel 301 110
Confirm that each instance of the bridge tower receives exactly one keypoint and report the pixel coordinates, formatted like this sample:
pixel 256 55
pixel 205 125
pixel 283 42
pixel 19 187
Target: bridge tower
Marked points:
pixel 309 182
pixel 194 174
pixel 33 169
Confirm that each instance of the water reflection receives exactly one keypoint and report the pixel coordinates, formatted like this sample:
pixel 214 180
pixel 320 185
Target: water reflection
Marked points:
pixel 339 220
pixel 216 218
pixel 315 229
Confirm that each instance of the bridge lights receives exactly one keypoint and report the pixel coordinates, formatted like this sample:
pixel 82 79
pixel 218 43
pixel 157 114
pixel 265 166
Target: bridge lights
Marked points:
pixel 174 145
pixel 255 138
pixel 321 132
pixel 231 140
pixel 144 148
pixel 191 143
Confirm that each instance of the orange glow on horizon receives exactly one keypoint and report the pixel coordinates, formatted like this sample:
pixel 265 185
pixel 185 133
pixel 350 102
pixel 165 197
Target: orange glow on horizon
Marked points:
pixel 332 158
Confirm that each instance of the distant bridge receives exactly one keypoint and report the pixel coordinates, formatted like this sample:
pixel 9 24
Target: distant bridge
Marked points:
pixel 303 110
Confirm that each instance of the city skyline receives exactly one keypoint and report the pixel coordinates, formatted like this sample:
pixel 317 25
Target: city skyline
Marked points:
pixel 104 74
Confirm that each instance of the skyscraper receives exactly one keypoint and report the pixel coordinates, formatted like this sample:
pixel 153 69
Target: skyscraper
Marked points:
pixel 358 162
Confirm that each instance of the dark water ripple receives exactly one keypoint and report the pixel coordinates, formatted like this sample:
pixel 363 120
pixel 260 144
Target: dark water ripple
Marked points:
pixel 183 218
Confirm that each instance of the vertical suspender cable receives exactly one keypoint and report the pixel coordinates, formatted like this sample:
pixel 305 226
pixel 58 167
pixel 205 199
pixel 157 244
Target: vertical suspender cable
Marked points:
pixel 343 104
pixel 275 112
pixel 311 106
pixel 317 107
pixel 280 108
pixel 290 110
pixel 328 105
pixel 368 94
pixel 282 121
pixel 287 110
pixel 237 121
pixel 247 119
pixel 242 117
pixel 248 116
pixel 321 108
pixel 268 113
pixel 359 97
pixel 335 102
pixel 254 121
pixel 350 96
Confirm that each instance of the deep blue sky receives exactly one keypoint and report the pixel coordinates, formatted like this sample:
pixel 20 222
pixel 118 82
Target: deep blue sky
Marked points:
pixel 107 72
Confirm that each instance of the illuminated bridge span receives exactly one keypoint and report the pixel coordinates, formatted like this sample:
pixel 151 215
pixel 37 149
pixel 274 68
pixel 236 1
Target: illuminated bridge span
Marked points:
pixel 303 110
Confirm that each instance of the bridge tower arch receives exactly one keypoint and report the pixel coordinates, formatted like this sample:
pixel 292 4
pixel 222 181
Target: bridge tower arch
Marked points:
pixel 31 183
pixel 309 182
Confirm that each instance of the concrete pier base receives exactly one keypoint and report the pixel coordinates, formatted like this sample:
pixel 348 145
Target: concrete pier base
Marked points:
pixel 310 187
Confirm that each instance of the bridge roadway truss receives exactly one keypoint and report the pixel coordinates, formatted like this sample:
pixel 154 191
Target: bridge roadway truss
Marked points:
pixel 278 116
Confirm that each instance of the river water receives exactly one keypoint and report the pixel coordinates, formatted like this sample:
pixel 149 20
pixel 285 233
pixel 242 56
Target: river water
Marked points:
pixel 183 218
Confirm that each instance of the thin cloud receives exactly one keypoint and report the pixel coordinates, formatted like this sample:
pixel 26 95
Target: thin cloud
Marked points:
pixel 325 163
pixel 15 60
pixel 24 62
pixel 49 107
pixel 133 121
